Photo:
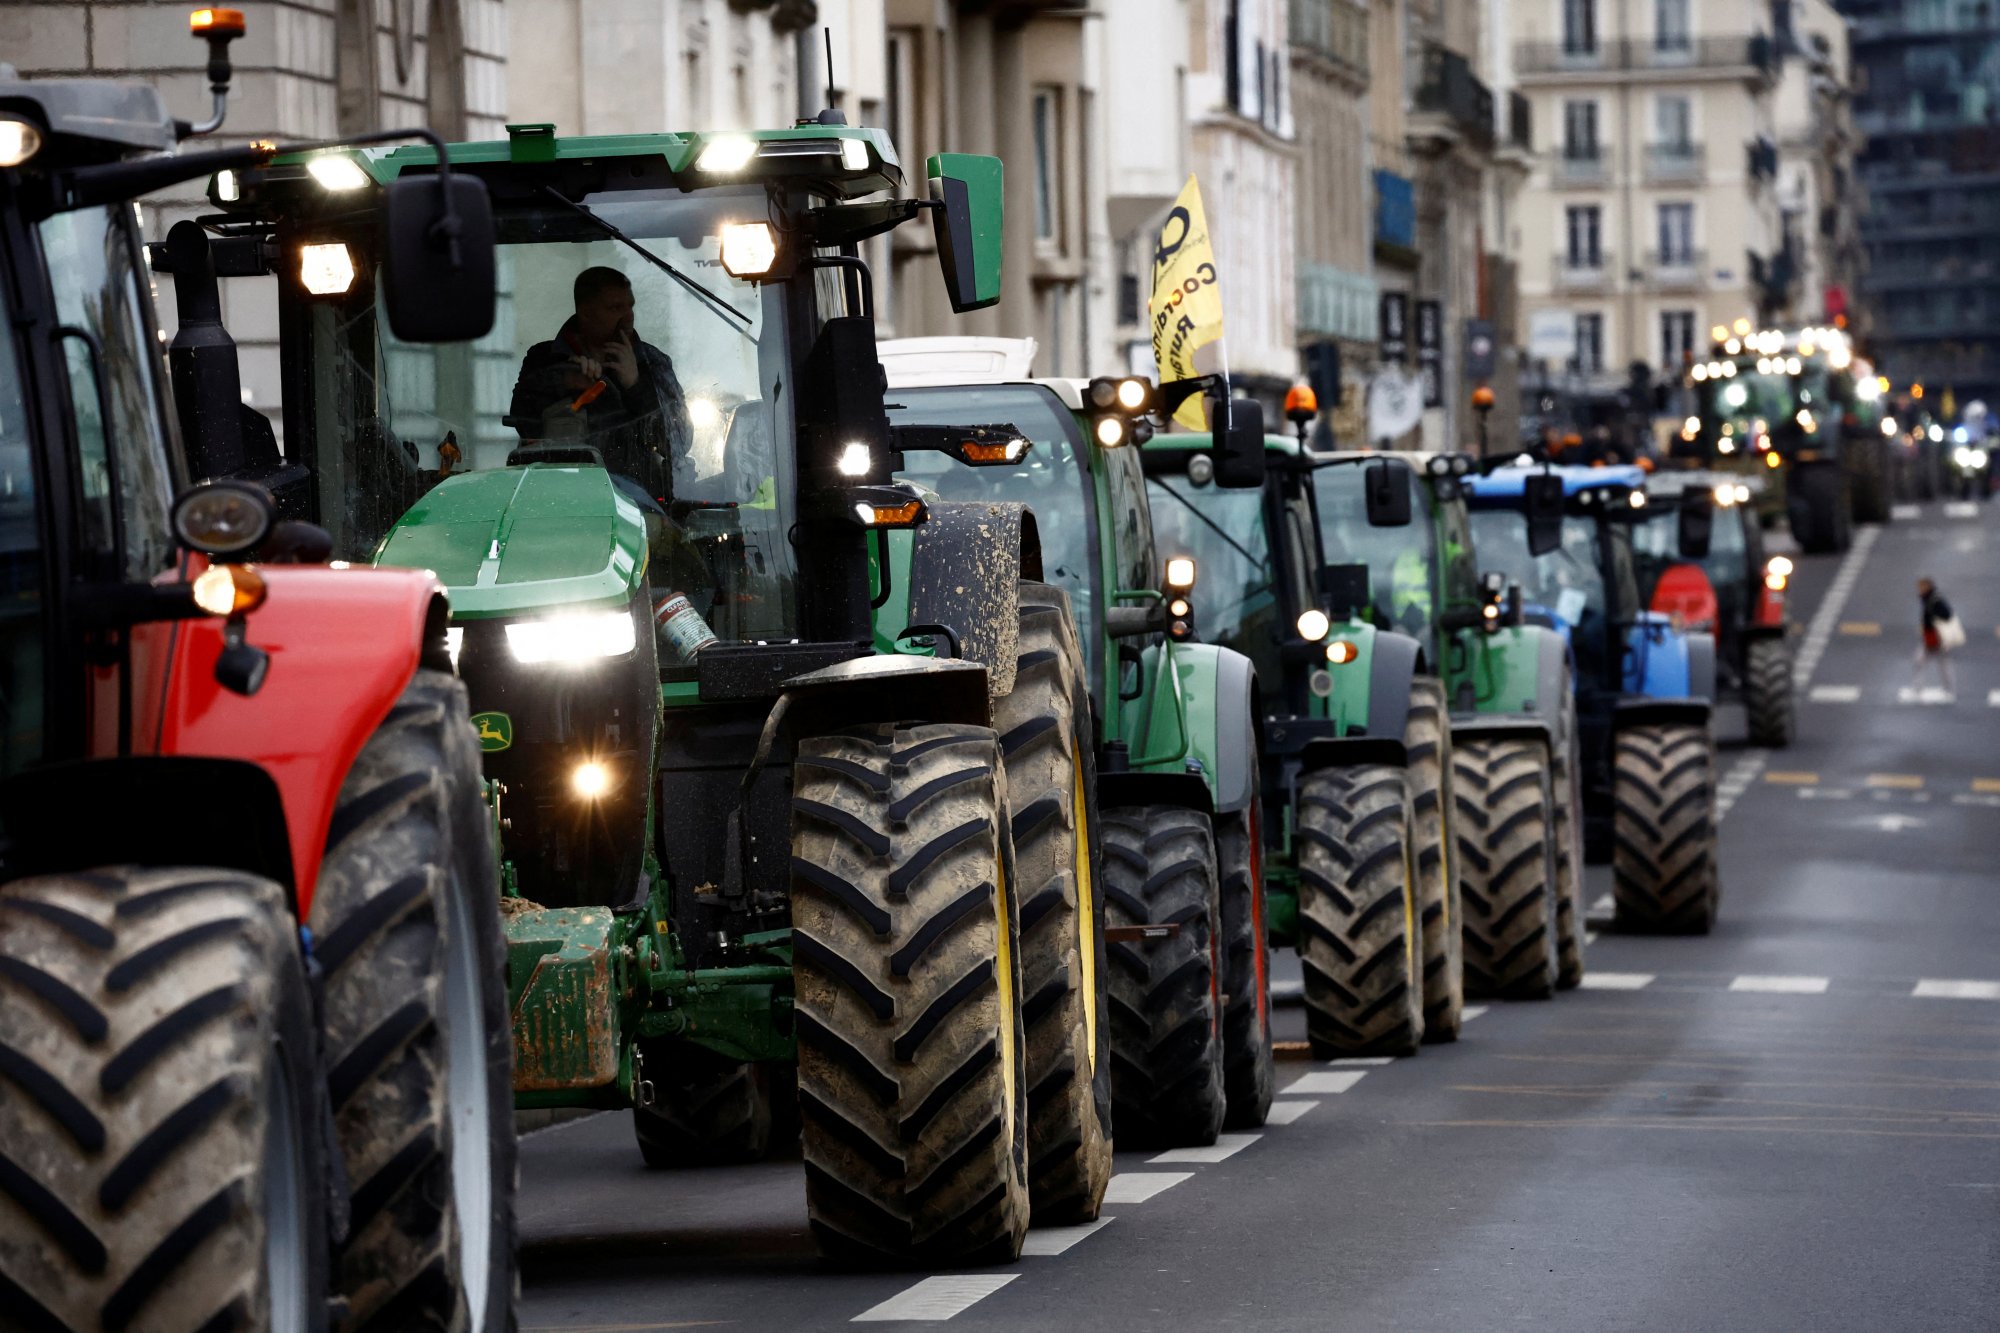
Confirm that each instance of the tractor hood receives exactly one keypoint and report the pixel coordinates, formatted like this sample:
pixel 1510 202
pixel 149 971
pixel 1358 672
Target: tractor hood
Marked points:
pixel 524 540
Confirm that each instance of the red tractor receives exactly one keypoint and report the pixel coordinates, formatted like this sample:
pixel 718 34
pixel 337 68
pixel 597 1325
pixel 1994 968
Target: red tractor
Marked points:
pixel 254 1056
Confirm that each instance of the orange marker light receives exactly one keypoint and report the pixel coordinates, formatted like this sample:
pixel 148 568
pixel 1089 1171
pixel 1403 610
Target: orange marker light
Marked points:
pixel 216 23
pixel 1300 401
pixel 1482 398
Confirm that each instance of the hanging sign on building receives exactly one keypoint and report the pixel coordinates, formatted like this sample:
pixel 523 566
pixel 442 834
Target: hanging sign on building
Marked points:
pixel 1482 349
pixel 1430 351
pixel 1395 331
pixel 1395 403
pixel 1187 298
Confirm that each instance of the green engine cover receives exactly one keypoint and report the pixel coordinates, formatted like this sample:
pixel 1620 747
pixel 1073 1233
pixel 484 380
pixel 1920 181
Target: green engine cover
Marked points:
pixel 519 540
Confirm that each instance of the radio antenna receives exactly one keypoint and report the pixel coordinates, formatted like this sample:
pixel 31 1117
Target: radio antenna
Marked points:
pixel 828 31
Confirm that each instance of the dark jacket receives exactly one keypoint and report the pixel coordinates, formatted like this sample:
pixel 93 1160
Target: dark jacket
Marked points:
pixel 1935 609
pixel 639 430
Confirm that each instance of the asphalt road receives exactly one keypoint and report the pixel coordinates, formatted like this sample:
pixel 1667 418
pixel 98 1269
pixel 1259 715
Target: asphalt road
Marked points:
pixel 1791 1124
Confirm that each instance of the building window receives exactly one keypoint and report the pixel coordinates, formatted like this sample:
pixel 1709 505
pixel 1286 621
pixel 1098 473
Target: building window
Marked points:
pixel 1676 339
pixel 1579 27
pixel 1048 163
pixel 1589 344
pixel 1673 122
pixel 1586 228
pixel 1670 25
pixel 1676 235
pixel 1580 131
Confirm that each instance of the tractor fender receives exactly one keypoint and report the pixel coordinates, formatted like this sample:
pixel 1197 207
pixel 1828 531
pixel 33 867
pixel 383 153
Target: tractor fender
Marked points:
pixel 237 824
pixel 1662 663
pixel 1392 669
pixel 1505 726
pixel 343 644
pixel 1629 713
pixel 1519 669
pixel 1701 666
pixel 884 688
pixel 1339 751
pixel 1219 690
pixel 966 564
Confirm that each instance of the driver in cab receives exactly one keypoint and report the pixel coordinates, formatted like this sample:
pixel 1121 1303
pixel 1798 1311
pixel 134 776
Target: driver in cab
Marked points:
pixel 598 383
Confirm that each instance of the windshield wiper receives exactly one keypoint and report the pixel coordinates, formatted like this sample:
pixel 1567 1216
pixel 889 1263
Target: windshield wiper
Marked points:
pixel 714 302
pixel 1256 561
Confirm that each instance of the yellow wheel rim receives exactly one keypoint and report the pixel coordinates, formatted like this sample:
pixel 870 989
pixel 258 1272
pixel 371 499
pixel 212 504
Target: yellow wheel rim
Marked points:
pixel 1086 908
pixel 1003 954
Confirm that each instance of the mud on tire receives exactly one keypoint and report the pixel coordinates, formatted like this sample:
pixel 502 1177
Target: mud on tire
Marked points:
pixel 1571 911
pixel 1427 740
pixel 1507 837
pixel 1664 874
pixel 905 935
pixel 1358 927
pixel 419 1051
pixel 1249 1066
pixel 157 1075
pixel 1166 1022
pixel 1046 736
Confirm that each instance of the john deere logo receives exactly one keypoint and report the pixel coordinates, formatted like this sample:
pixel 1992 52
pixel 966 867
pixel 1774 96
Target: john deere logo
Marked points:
pixel 496 730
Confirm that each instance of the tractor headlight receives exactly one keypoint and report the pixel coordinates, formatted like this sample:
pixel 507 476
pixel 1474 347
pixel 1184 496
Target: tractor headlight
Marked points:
pixel 749 249
pixel 19 141
pixel 337 174
pixel 1313 625
pixel 590 779
pixel 727 154
pixel 326 270
pixel 569 640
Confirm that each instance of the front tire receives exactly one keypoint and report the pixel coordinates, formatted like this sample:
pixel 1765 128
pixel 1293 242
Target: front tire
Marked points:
pixel 406 927
pixel 1428 743
pixel 1571 925
pixel 1507 836
pixel 1249 1068
pixel 162 1150
pixel 1045 733
pixel 706 1111
pixel 1358 942
pixel 1664 872
pixel 905 936
pixel 1767 694
pixel 1166 999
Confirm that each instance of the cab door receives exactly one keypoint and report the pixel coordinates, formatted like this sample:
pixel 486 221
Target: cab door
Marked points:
pixel 26 703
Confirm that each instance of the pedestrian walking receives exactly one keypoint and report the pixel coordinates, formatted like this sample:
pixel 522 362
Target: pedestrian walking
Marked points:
pixel 1942 635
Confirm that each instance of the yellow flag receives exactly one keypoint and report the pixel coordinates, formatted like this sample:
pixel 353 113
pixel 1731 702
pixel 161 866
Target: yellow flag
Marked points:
pixel 1187 299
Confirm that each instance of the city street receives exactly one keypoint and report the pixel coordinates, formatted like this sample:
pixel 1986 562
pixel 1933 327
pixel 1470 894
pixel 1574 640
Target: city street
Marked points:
pixel 1790 1124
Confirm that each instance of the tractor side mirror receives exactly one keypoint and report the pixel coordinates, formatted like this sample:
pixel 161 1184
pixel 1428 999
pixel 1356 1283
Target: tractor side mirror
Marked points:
pixel 1344 589
pixel 438 258
pixel 1239 461
pixel 1697 523
pixel 1542 502
pixel 1387 486
pixel 967 190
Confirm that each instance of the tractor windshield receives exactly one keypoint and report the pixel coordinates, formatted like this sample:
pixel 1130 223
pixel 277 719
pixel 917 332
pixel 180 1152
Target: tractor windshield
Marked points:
pixel 1399 560
pixel 1569 582
pixel 1050 480
pixel 675 382
pixel 1656 544
pixel 1237 603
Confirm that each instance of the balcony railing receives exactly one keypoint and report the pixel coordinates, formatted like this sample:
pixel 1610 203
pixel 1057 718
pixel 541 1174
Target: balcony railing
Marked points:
pixel 1701 53
pixel 1581 272
pixel 1668 162
pixel 1450 89
pixel 1333 29
pixel 1591 166
pixel 1677 270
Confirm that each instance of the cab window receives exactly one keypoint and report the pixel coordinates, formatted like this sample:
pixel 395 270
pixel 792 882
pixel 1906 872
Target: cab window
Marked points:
pixel 1131 520
pixel 111 353
pixel 21 672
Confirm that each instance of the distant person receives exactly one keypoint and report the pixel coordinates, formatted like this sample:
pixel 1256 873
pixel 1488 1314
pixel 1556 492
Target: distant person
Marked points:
pixel 1941 635
pixel 599 383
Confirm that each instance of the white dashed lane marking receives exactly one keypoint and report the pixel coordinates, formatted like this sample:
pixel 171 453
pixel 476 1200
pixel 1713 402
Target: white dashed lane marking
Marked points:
pixel 1956 990
pixel 1047 1242
pixel 1616 980
pixel 1834 694
pixel 1472 1011
pixel 937 1298
pixel 1331 1080
pixel 1284 1113
pixel 1820 630
pixel 1126 1187
pixel 1906 511
pixel 1362 1061
pixel 1224 1147
pixel 1781 985
pixel 1962 509
pixel 1737 781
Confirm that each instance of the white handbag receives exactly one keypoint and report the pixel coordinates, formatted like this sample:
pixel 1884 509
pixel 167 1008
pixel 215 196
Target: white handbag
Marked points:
pixel 1951 633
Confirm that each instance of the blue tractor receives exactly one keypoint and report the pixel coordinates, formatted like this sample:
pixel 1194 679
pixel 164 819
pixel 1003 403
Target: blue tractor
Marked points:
pixel 1645 686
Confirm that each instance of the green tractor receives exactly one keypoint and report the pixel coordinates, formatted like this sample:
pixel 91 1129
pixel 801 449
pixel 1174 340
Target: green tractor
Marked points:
pixel 1175 722
pixel 791 760
pixel 1398 680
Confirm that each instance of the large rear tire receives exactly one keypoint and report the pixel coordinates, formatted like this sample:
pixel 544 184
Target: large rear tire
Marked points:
pixel 1046 735
pixel 1665 878
pixel 1505 794
pixel 1567 793
pixel 406 928
pixel 162 1146
pixel 905 937
pixel 1428 743
pixel 1249 1067
pixel 1166 996
pixel 1358 929
pixel 1767 693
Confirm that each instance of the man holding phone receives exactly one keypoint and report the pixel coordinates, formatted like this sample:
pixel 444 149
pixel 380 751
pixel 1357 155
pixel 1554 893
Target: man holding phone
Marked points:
pixel 599 382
